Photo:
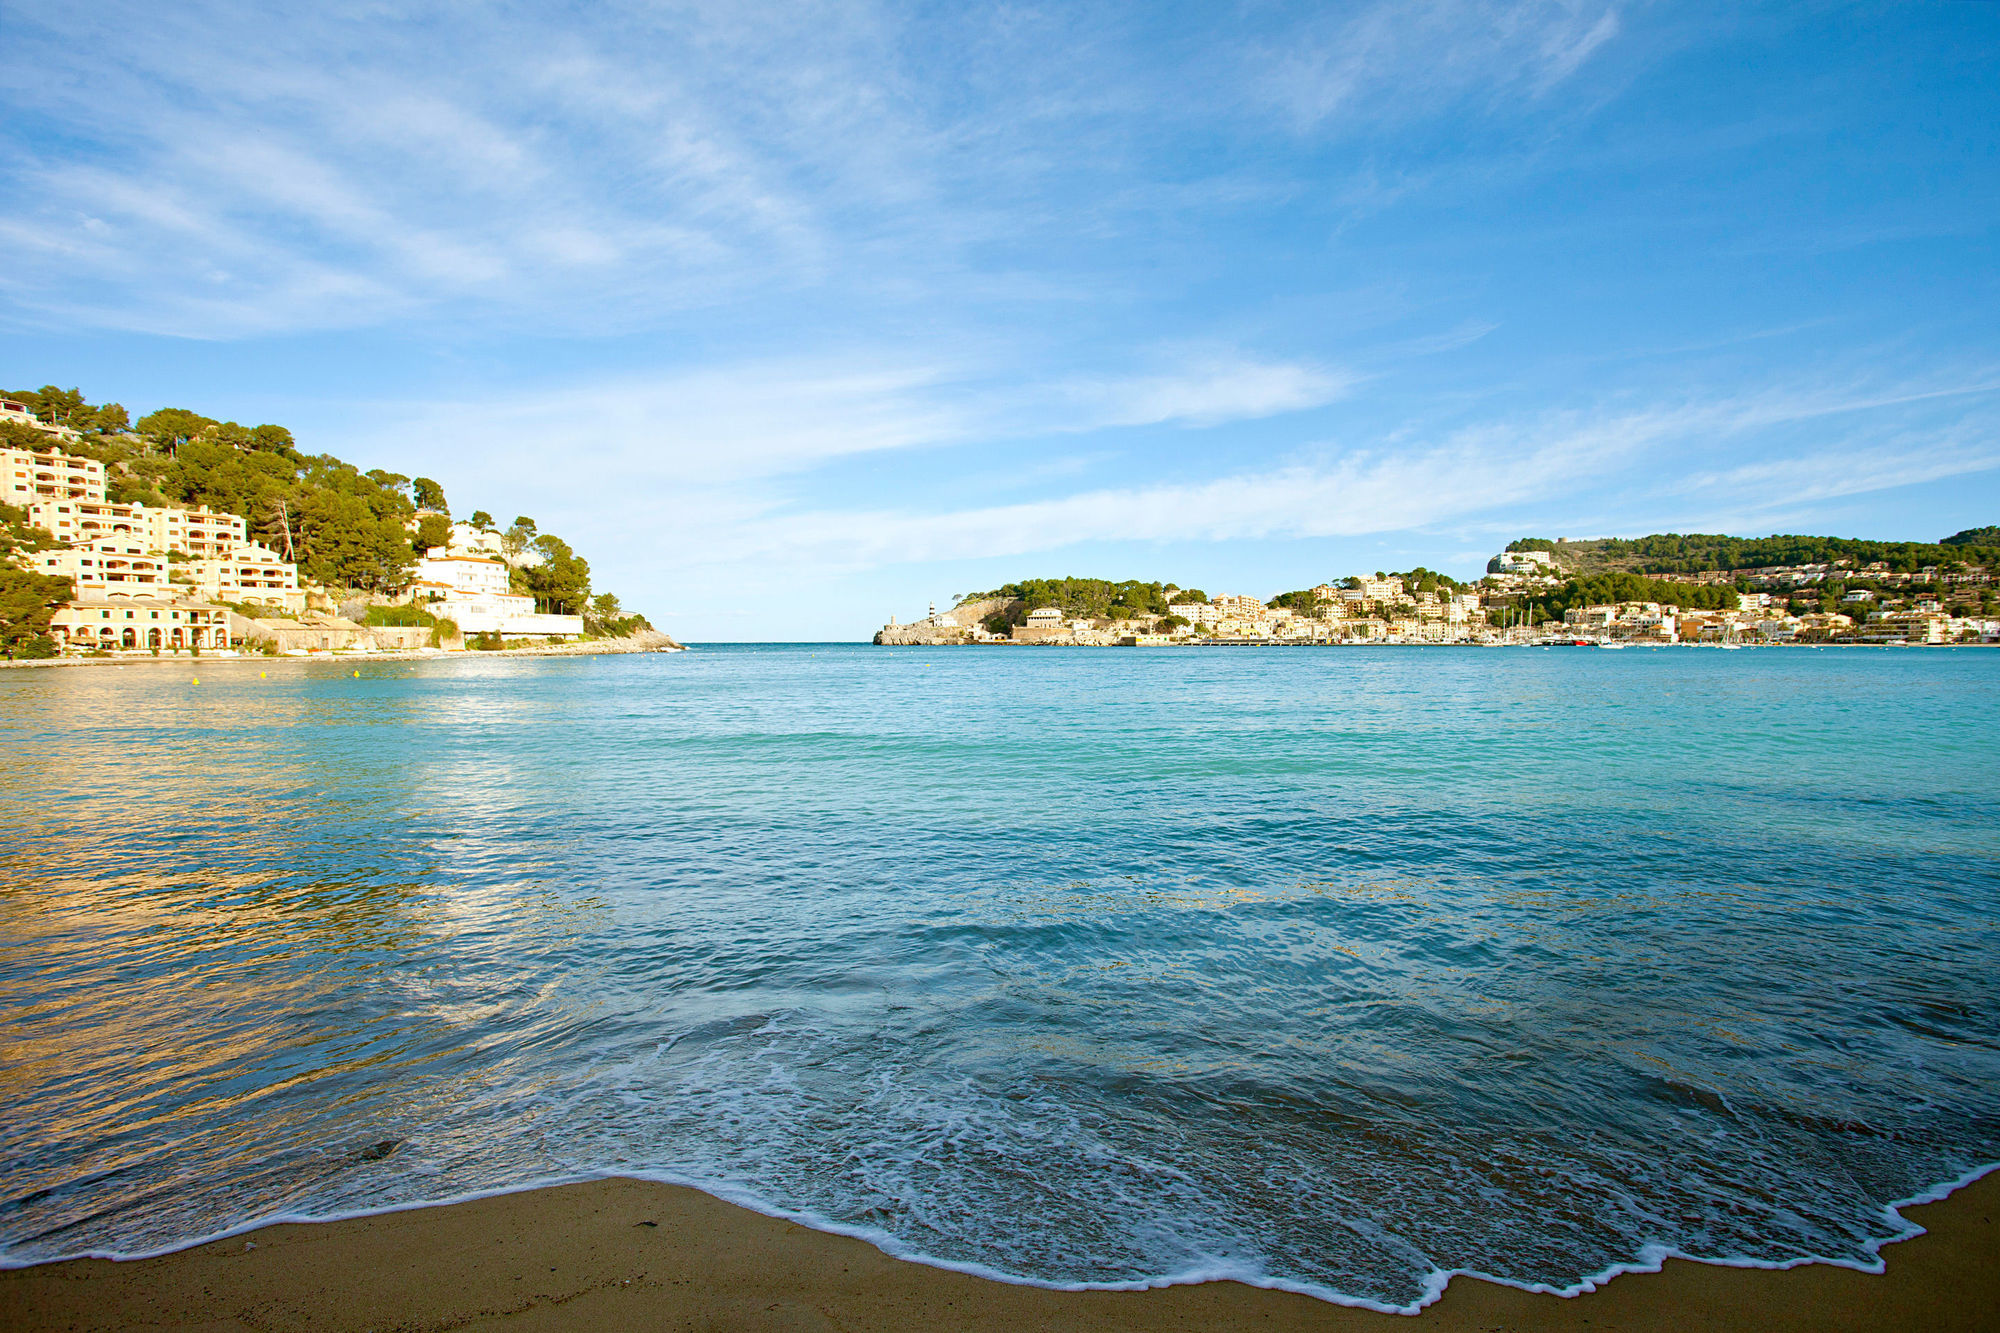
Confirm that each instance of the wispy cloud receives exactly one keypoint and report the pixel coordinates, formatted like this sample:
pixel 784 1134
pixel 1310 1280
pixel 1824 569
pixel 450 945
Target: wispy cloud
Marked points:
pixel 1205 390
pixel 1409 482
pixel 739 422
pixel 601 169
pixel 1421 57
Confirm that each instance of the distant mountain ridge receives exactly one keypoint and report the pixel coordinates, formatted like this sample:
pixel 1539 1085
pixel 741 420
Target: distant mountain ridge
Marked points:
pixel 1695 553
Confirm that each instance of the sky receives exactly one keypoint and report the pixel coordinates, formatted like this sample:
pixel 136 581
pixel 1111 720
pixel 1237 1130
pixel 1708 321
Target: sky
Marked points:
pixel 791 317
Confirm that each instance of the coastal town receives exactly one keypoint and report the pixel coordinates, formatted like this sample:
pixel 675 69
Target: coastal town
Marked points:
pixel 1528 596
pixel 123 577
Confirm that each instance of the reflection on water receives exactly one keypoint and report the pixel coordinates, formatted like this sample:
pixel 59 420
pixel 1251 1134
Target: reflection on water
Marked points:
pixel 1331 968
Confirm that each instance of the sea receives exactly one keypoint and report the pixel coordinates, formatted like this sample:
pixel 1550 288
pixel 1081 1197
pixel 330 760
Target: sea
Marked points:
pixel 1338 970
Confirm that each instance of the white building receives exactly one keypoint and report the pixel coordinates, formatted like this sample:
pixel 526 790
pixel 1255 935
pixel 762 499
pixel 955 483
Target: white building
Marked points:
pixel 118 623
pixel 198 532
pixel 480 543
pixel 48 475
pixel 248 573
pixel 1237 605
pixel 108 567
pixel 464 573
pixel 473 593
pixel 1522 562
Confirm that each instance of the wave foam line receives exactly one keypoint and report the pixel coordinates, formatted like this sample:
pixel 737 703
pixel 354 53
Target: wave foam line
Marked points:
pixel 1652 1258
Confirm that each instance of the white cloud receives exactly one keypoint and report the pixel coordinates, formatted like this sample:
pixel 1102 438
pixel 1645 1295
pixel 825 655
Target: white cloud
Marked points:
pixel 1405 58
pixel 741 422
pixel 1407 482
pixel 611 168
pixel 1207 390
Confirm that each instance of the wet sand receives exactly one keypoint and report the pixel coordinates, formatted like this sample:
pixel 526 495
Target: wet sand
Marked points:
pixel 213 660
pixel 620 1254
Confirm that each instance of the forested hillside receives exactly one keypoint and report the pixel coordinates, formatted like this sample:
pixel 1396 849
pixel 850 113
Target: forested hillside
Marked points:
pixel 1096 599
pixel 1693 553
pixel 345 528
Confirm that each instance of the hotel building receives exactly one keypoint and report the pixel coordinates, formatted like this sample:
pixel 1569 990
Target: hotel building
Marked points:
pixel 50 474
pixel 116 567
pixel 248 573
pixel 198 532
pixel 112 625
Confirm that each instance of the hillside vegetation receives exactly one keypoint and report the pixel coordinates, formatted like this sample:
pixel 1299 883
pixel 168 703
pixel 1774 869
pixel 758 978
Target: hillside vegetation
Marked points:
pixel 1093 599
pixel 1694 553
pixel 343 527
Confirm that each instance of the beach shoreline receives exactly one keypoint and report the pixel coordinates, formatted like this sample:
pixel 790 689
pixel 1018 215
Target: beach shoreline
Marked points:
pixel 621 1252
pixel 596 648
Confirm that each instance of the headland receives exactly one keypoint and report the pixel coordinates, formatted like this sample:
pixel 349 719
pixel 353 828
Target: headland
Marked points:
pixel 1706 590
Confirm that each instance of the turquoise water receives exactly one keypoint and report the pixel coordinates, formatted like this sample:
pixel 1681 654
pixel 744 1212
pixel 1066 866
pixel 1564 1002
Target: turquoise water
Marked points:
pixel 1339 970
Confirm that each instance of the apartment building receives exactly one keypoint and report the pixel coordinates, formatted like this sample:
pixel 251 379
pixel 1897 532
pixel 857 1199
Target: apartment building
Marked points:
pixel 1232 605
pixel 464 573
pixel 465 539
pixel 249 572
pixel 1196 613
pixel 112 624
pixel 473 593
pixel 110 567
pixel 27 476
pixel 20 414
pixel 198 532
pixel 1905 627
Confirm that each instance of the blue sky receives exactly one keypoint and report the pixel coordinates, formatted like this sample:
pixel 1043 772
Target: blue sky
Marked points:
pixel 793 316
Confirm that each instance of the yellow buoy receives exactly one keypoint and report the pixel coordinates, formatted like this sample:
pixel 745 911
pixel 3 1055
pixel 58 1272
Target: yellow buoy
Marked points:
pixel 197 680
pixel 260 675
pixel 357 675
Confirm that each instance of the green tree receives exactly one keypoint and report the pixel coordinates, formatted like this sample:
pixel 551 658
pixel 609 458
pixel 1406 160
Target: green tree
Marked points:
pixel 59 407
pixel 560 583
pixel 273 439
pixel 110 419
pixel 28 602
pixel 428 495
pixel 519 537
pixel 1098 599
pixel 432 530
pixel 172 427
pixel 481 520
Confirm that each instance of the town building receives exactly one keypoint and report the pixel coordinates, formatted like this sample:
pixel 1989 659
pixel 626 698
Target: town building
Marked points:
pixel 48 475
pixel 465 573
pixel 474 593
pixel 1196 613
pixel 1235 605
pixel 1905 627
pixel 117 566
pixel 20 415
pixel 250 572
pixel 198 532
pixel 112 624
pixel 482 543
pixel 1522 562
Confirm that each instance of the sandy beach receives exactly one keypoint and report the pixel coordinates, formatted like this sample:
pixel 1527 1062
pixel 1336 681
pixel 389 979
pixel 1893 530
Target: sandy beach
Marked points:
pixel 647 643
pixel 632 1254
